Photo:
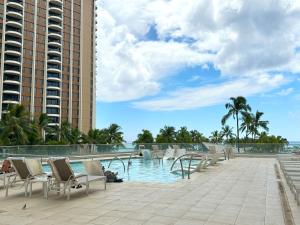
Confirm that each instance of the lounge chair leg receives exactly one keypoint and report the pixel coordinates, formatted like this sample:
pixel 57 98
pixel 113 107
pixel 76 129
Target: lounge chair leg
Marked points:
pixel 7 186
pixel 87 188
pixel 30 194
pixel 69 191
pixel 26 188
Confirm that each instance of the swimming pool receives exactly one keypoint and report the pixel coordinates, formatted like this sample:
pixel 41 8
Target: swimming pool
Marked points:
pixel 140 170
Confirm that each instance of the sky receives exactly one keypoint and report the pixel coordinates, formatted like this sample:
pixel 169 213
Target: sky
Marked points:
pixel 176 63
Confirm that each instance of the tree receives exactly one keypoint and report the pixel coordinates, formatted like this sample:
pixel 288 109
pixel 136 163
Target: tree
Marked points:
pixel 144 137
pixel 198 137
pixel 216 137
pixel 15 126
pixel 166 135
pixel 98 136
pixel 227 133
pixel 235 107
pixel 247 123
pixel 259 124
pixel 114 134
pixel 183 135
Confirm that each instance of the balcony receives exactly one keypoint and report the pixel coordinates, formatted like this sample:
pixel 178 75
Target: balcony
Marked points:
pixel 11 89
pixel 14 15
pixel 12 40
pixel 12 60
pixel 18 4
pixel 55 9
pixel 54 50
pixel 54 33
pixel 54 59
pixel 14 23
pixel 12 50
pixel 11 99
pixel 13 31
pixel 11 79
pixel 53 102
pixel 53 94
pixel 53 120
pixel 55 16
pixel 52 111
pixel 55 27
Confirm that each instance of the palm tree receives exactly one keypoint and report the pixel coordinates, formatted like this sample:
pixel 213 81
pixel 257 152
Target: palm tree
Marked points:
pixel 198 137
pixel 247 123
pixel 235 107
pixel 114 134
pixel 166 135
pixel 259 124
pixel 144 137
pixel 227 132
pixel 15 126
pixel 216 137
pixel 183 135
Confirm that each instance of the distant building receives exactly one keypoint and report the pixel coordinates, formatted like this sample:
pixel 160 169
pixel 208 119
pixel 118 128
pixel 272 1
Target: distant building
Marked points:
pixel 48 59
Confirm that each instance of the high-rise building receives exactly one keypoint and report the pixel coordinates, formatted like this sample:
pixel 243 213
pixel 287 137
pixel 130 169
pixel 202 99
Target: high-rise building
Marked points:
pixel 47 62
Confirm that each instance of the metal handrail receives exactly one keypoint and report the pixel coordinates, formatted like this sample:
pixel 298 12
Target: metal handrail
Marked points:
pixel 191 155
pixel 116 157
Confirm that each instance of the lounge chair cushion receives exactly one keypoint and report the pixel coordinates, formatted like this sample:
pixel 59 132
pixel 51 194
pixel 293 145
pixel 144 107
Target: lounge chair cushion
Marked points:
pixel 35 166
pixel 21 168
pixel 63 169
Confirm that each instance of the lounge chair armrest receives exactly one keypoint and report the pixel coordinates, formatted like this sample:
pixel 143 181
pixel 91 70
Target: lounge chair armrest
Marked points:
pixel 80 175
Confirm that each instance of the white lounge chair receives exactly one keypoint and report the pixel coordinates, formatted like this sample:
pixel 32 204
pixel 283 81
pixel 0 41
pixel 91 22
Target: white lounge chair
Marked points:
pixel 64 175
pixel 23 169
pixel 169 154
pixel 179 152
pixel 94 168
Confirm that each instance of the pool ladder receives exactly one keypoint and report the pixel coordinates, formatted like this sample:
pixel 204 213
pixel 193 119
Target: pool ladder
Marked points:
pixel 183 157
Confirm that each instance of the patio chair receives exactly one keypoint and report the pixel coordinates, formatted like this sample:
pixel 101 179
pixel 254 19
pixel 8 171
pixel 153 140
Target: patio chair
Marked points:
pixel 21 167
pixel 94 168
pixel 169 154
pixel 6 171
pixel 156 153
pixel 64 175
pixel 179 152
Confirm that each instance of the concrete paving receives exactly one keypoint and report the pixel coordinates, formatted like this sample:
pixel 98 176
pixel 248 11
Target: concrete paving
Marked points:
pixel 237 192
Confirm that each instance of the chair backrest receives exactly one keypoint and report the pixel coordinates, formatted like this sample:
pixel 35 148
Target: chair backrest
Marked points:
pixel 176 147
pixel 179 152
pixel 93 167
pixel 212 150
pixel 20 167
pixel 62 169
pixel 6 166
pixel 35 166
pixel 155 148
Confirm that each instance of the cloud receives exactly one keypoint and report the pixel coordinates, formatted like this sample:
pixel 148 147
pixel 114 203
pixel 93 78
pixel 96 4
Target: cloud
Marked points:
pixel 285 92
pixel 211 94
pixel 247 41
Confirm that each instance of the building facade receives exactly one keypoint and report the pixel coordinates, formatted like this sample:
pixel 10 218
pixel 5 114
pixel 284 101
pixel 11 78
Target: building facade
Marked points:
pixel 48 59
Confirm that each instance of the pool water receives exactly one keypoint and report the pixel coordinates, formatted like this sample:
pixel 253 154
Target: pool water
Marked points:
pixel 140 170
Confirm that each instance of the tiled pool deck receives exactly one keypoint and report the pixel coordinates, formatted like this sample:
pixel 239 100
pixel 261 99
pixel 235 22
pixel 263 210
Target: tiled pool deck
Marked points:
pixel 241 191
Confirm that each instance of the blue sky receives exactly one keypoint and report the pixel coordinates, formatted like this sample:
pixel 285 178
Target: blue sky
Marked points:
pixel 177 66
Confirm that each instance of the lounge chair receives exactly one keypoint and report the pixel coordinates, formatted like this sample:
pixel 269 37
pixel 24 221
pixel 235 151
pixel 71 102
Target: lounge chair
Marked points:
pixel 23 171
pixel 64 175
pixel 156 153
pixel 169 154
pixel 94 168
pixel 6 171
pixel 179 152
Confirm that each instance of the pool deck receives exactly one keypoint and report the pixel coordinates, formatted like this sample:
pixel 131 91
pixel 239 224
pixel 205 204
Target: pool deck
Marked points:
pixel 241 191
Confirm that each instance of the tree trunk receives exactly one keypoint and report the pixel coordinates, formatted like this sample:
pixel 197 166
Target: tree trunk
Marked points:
pixel 237 132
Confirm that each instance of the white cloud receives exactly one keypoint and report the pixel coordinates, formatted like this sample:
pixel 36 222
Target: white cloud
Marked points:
pixel 242 38
pixel 212 94
pixel 285 92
